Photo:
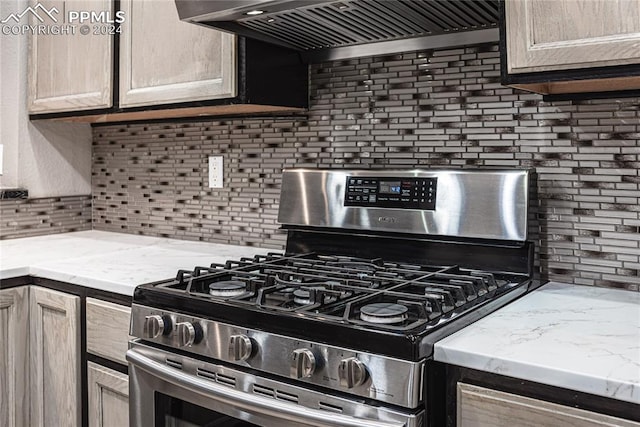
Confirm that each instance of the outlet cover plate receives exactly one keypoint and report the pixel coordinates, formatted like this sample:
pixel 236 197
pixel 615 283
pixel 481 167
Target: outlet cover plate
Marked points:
pixel 216 172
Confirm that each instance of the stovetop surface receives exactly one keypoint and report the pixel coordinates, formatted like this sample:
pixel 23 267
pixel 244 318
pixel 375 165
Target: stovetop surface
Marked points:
pixel 369 304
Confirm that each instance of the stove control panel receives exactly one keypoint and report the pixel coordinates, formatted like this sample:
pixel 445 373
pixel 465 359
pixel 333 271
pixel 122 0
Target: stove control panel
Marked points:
pixel 346 370
pixel 388 192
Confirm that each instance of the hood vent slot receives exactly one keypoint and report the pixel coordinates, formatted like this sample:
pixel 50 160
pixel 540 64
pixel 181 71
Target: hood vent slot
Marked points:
pixel 367 21
pixel 313 26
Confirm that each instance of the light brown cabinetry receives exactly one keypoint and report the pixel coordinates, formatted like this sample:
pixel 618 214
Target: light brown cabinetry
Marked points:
pixel 108 329
pixel 107 337
pixel 69 72
pixel 484 407
pixel 167 69
pixel 40 359
pixel 54 358
pixel 164 60
pixel 14 349
pixel 108 397
pixel 545 36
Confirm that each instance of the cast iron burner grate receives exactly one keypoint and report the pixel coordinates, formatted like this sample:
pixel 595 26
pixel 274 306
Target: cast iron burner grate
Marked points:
pixel 344 290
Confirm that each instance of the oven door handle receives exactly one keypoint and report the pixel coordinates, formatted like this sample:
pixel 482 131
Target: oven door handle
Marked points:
pixel 250 402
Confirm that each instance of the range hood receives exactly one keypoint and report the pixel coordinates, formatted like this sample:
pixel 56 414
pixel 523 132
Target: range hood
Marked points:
pixel 326 30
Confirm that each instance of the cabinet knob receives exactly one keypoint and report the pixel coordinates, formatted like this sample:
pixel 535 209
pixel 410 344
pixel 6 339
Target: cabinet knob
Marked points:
pixel 156 325
pixel 352 372
pixel 303 363
pixel 240 347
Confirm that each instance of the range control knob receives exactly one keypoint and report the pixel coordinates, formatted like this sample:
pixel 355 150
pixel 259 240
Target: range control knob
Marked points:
pixel 240 347
pixel 303 363
pixel 156 325
pixel 352 372
pixel 188 334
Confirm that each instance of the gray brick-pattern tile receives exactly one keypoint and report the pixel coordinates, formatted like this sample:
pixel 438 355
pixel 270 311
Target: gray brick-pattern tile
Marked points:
pixel 441 108
pixel 50 215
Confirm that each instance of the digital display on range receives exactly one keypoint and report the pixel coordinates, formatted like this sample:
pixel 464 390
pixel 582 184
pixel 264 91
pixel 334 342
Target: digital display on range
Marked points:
pixel 391 192
pixel 389 187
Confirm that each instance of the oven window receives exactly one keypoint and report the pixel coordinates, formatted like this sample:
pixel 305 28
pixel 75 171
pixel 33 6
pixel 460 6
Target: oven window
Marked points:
pixel 172 412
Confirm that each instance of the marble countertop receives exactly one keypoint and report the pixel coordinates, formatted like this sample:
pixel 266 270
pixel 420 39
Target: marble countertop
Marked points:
pixel 113 262
pixel 576 337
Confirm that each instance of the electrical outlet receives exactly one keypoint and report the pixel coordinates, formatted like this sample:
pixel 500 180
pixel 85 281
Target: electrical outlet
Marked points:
pixel 216 171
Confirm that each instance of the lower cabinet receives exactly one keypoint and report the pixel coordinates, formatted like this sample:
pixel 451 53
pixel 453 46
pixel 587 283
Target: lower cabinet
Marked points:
pixel 107 338
pixel 14 349
pixel 108 397
pixel 41 357
pixel 54 358
pixel 484 407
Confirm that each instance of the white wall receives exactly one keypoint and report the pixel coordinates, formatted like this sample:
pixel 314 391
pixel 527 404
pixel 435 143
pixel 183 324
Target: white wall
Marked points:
pixel 9 74
pixel 47 158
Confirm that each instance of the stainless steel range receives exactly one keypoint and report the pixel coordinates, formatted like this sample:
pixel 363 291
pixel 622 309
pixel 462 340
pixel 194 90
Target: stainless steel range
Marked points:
pixel 338 330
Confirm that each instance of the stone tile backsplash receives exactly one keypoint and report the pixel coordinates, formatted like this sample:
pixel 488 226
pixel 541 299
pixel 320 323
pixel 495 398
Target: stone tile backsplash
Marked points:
pixel 441 108
pixel 49 215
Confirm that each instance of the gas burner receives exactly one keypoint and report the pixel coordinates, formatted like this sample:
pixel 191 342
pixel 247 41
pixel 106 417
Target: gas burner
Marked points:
pixel 302 296
pixel 316 295
pixel 290 280
pixel 227 288
pixel 384 313
pixel 357 266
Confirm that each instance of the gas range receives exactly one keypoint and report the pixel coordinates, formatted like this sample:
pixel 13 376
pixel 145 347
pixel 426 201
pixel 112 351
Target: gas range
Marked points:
pixel 379 265
pixel 338 295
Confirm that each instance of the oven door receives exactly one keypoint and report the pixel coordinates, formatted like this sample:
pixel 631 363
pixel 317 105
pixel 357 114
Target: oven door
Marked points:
pixel 167 389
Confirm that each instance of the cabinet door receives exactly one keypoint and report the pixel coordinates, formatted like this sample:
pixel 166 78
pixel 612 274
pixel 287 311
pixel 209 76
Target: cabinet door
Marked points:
pixel 54 358
pixel 544 35
pixel 14 348
pixel 164 60
pixel 108 397
pixel 483 407
pixel 72 71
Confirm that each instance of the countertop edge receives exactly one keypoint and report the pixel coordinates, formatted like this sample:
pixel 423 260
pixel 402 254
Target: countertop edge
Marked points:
pixel 582 325
pixel 118 256
pixel 613 389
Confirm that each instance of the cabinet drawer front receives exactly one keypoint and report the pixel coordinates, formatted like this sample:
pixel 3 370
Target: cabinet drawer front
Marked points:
pixel 108 329
pixel 483 407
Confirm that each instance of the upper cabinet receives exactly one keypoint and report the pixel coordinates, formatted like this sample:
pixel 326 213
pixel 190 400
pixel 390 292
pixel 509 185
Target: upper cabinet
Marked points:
pixel 69 72
pixel 165 68
pixel 155 49
pixel 568 46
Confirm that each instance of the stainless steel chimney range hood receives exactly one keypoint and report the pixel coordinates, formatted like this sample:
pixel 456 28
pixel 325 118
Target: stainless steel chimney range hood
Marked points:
pixel 324 30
